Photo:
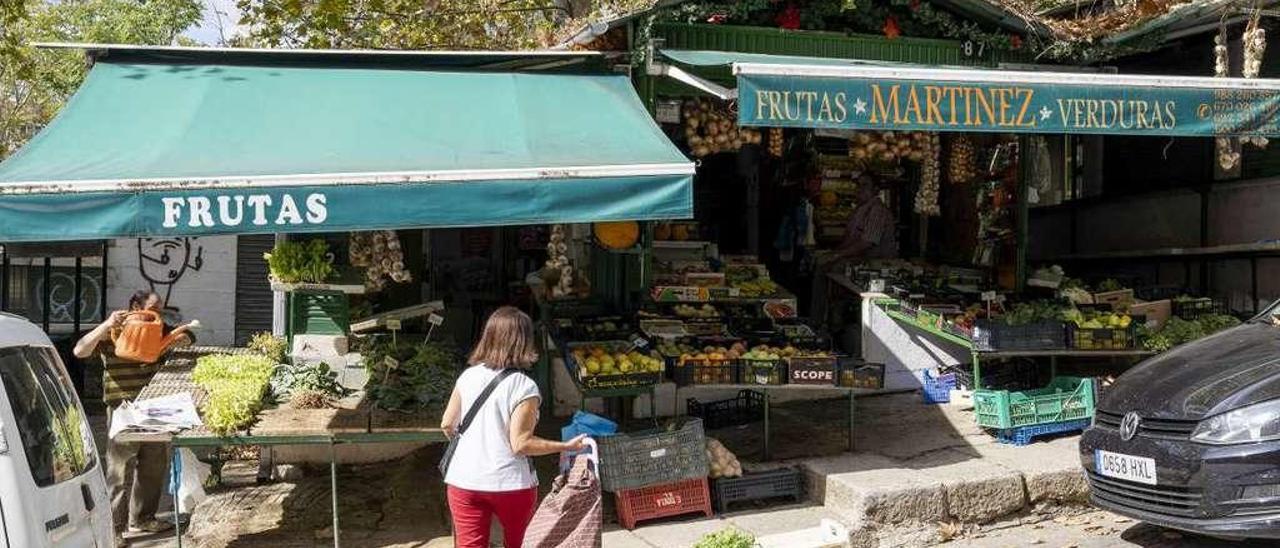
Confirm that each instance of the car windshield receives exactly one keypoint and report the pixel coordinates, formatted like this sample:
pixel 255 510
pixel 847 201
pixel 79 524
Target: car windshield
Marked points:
pixel 1271 315
pixel 55 436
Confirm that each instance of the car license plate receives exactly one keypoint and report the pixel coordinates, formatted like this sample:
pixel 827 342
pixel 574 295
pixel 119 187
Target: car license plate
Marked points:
pixel 1125 467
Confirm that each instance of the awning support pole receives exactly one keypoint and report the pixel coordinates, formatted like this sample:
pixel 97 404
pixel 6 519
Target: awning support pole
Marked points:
pixel 278 302
pixel 655 68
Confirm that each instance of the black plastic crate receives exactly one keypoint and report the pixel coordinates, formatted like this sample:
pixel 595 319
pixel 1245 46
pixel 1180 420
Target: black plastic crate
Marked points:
pixel 997 335
pixel 703 372
pixel 747 407
pixel 765 372
pixel 600 328
pixel 1084 338
pixel 818 370
pixel 779 483
pixel 663 455
pixel 1195 308
pixel 854 373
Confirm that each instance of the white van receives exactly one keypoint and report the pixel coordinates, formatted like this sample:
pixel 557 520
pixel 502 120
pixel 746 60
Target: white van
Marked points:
pixel 52 490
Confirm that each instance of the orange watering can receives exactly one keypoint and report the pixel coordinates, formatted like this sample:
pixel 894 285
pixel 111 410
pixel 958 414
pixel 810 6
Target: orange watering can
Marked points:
pixel 142 338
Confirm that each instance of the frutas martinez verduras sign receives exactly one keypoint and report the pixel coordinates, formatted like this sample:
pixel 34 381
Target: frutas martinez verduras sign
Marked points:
pixel 911 104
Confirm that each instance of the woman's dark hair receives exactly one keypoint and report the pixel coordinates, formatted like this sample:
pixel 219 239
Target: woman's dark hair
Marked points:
pixel 138 300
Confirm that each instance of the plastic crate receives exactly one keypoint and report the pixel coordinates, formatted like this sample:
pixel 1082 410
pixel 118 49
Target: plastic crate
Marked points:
pixel 665 500
pixel 632 460
pixel 606 382
pixel 937 389
pixel 599 328
pixel 857 374
pixel 997 335
pixel 1024 435
pixel 1193 309
pixel 764 372
pixel 746 407
pixel 783 482
pixel 1064 399
pixel 702 372
pixel 705 327
pixel 1083 338
pixel 817 370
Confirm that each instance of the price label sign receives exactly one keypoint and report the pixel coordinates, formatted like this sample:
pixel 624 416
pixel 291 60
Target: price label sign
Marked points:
pixel 639 342
pixel 435 319
pixel 391 363
pixel 393 325
pixel 988 296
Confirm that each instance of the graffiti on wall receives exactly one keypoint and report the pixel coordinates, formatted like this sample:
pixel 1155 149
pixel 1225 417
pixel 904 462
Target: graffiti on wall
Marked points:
pixel 163 262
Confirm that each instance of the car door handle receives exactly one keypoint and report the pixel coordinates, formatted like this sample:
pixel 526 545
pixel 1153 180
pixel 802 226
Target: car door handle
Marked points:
pixel 89 503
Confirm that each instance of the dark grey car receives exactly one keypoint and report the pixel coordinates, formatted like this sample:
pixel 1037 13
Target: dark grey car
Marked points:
pixel 1191 439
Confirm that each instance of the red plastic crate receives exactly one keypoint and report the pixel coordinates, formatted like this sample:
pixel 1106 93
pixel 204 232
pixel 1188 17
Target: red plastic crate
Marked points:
pixel 663 500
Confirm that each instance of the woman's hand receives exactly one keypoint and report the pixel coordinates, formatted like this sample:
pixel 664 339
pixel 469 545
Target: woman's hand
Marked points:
pixel 576 444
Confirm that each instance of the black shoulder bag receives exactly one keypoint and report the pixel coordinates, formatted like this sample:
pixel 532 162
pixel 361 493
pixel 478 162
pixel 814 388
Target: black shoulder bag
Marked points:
pixel 471 415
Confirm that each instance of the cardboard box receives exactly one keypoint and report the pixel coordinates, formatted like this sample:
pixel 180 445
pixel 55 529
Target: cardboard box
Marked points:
pixel 1118 300
pixel 1156 312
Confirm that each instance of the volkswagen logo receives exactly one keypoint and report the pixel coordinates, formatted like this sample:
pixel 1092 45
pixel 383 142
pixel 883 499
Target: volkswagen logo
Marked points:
pixel 1129 426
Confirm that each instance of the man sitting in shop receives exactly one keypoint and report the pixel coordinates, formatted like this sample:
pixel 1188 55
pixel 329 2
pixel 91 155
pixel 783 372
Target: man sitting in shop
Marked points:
pixel 871 234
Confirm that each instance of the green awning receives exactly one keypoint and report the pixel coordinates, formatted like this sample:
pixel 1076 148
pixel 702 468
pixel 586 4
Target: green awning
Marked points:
pixel 816 92
pixel 179 142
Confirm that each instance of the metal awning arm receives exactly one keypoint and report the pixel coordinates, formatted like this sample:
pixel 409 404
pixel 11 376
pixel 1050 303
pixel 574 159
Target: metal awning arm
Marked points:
pixel 653 67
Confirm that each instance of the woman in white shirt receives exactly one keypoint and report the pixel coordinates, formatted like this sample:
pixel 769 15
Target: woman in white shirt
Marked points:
pixel 490 473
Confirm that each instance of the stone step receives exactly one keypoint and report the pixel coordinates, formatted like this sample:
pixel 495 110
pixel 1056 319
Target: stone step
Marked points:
pixel 978 482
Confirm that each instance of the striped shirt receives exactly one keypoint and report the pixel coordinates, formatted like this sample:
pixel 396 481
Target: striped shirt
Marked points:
pixel 123 380
pixel 873 223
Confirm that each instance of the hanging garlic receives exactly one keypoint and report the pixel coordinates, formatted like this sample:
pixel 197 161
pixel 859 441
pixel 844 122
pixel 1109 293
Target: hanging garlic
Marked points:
pixel 926 202
pixel 1255 45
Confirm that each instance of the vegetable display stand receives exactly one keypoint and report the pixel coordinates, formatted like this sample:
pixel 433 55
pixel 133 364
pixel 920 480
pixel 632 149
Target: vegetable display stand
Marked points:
pixel 764 372
pixel 1064 399
pixel 1024 435
pixel 632 460
pixel 701 372
pixel 663 500
pixel 745 408
pixel 780 483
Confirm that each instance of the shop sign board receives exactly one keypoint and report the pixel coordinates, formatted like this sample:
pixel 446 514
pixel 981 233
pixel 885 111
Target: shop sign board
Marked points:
pixel 782 100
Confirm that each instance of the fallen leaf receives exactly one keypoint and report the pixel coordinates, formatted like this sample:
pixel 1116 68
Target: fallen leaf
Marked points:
pixel 1121 520
pixel 1037 541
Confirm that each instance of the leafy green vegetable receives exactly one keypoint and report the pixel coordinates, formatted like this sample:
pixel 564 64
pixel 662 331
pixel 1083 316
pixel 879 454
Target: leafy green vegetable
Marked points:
pixel 1177 331
pixel 314 378
pixel 1035 311
pixel 236 385
pixel 300 262
pixel 270 346
pixel 1109 285
pixel 727 538
pixel 408 376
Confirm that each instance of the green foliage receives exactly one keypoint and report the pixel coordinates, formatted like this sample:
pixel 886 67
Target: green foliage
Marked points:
pixel 1177 331
pixel 408 376
pixel 316 378
pixel 727 538
pixel 235 386
pixel 300 262
pixel 1033 312
pixel 271 346
pixel 34 83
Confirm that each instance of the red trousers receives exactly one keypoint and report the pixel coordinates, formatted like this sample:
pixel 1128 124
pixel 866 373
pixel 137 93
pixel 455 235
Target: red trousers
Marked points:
pixel 473 513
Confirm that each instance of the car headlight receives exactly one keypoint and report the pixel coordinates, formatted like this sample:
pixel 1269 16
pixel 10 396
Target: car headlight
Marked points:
pixel 1254 423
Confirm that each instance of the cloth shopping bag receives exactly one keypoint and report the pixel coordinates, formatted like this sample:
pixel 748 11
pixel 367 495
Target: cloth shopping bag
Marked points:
pixel 571 514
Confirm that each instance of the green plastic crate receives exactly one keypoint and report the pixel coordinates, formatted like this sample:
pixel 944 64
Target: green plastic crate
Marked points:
pixel 314 312
pixel 1064 399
